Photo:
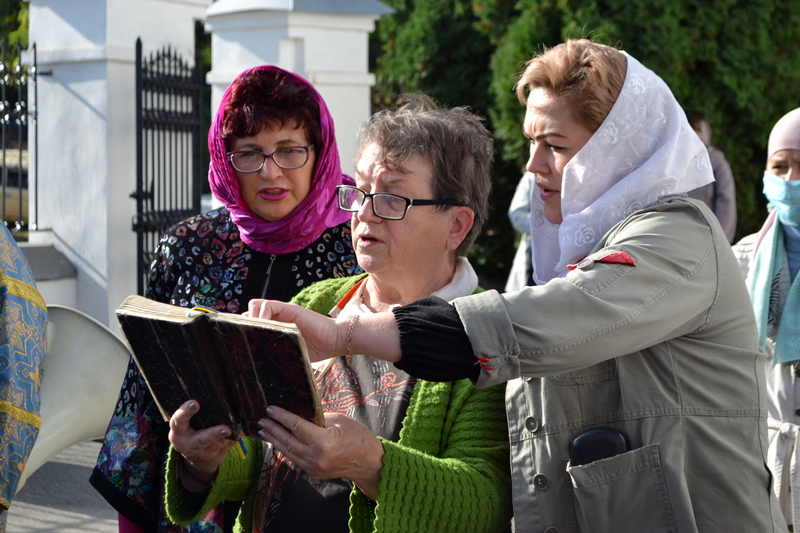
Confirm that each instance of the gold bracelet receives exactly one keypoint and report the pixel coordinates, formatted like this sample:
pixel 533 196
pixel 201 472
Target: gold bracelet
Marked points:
pixel 349 356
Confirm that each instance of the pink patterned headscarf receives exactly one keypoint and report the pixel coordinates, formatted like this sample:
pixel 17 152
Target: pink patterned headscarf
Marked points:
pixel 317 212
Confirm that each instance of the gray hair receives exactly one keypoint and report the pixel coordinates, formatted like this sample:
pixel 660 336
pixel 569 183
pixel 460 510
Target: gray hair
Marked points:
pixel 455 143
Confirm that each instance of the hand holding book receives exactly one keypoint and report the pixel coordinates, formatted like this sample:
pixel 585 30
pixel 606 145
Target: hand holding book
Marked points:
pixel 345 448
pixel 233 366
pixel 375 335
pixel 202 450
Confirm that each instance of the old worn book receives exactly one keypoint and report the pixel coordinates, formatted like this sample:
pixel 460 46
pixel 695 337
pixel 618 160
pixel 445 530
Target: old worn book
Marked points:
pixel 234 366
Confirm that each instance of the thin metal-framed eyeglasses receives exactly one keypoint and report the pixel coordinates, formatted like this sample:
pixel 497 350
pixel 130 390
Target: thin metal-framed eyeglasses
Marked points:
pixel 288 158
pixel 384 205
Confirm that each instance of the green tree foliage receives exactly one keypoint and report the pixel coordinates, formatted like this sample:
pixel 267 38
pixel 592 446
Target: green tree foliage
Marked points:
pixel 735 62
pixel 14 24
pixel 434 47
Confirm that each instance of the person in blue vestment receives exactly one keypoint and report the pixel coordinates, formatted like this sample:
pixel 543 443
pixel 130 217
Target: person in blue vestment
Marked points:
pixel 23 319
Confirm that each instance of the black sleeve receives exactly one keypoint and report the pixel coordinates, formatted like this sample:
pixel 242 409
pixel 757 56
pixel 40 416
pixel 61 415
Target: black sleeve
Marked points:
pixel 434 343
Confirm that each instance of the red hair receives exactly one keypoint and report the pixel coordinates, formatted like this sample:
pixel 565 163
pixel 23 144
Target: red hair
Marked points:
pixel 263 98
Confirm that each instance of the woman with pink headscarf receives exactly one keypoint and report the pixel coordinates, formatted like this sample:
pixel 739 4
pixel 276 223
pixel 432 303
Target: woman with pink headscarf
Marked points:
pixel 275 167
pixel 770 260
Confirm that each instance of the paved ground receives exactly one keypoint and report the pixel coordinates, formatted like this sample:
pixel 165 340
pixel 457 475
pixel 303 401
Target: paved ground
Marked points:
pixel 58 497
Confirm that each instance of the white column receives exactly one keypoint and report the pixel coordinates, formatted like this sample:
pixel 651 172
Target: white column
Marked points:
pixel 87 131
pixel 325 42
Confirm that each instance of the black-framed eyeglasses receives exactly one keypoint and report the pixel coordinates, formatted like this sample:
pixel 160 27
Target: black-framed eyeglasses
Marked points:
pixel 288 158
pixel 384 205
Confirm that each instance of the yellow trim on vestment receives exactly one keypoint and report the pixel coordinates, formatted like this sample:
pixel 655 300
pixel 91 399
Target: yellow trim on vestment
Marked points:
pixel 20 289
pixel 26 417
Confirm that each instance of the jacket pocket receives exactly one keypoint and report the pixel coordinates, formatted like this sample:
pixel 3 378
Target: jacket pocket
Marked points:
pixel 623 494
pixel 599 373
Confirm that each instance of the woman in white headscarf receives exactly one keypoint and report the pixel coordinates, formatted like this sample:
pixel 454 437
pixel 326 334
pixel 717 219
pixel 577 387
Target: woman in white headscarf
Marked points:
pixel 634 400
pixel 770 260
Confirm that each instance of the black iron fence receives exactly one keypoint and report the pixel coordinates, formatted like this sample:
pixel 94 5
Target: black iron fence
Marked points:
pixel 14 119
pixel 169 170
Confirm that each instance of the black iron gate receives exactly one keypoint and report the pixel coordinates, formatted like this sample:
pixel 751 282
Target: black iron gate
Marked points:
pixel 14 81
pixel 169 169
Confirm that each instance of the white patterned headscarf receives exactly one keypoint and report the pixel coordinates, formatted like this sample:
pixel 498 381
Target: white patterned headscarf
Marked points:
pixel 644 149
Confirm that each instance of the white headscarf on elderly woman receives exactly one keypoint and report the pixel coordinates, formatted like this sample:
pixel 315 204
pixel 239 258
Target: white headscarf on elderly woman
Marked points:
pixel 644 149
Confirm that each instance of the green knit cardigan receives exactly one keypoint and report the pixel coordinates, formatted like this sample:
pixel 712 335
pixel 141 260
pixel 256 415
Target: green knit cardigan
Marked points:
pixel 448 472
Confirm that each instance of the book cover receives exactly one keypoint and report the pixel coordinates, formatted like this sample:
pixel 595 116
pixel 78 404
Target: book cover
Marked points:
pixel 234 366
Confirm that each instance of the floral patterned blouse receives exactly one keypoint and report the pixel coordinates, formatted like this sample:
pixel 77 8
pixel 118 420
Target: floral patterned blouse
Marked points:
pixel 199 262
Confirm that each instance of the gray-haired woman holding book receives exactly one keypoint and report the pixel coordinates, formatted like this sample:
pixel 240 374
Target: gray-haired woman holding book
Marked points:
pixel 398 454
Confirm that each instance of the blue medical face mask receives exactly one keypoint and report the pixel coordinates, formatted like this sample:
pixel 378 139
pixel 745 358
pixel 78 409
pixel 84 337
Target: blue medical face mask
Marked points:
pixel 784 197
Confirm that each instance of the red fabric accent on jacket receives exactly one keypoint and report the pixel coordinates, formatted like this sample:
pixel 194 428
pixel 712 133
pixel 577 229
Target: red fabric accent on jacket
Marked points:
pixel 617 257
pixel 613 257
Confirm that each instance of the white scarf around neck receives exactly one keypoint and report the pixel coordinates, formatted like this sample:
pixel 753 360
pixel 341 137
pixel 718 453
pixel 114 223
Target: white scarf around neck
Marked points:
pixel 463 283
pixel 644 149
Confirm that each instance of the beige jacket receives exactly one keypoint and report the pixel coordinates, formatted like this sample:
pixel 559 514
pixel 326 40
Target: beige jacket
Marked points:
pixel 665 351
pixel 783 389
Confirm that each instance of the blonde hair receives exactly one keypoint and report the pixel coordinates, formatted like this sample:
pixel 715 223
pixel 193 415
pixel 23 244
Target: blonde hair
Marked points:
pixel 584 75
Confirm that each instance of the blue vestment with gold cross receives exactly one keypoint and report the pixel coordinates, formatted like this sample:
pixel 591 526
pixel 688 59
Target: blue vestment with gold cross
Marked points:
pixel 23 319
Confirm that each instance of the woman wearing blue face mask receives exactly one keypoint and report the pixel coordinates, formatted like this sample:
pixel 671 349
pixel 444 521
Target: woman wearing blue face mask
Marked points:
pixel 770 260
